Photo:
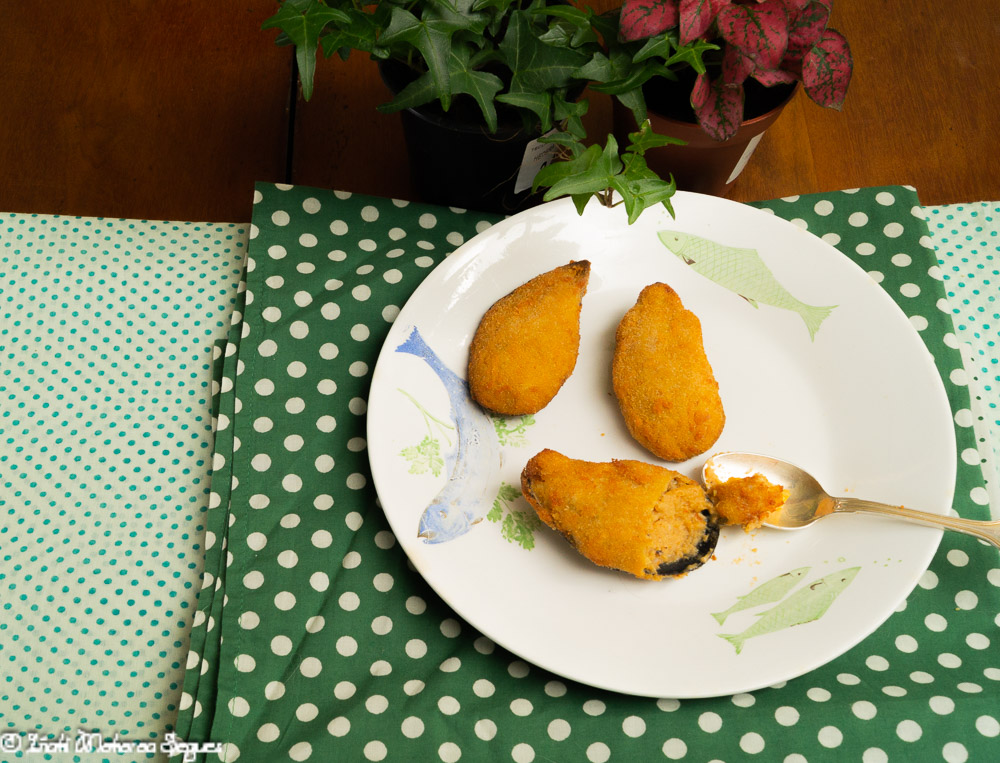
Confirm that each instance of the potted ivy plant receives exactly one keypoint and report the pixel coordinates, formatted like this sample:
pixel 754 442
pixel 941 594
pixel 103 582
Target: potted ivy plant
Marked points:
pixel 716 74
pixel 476 81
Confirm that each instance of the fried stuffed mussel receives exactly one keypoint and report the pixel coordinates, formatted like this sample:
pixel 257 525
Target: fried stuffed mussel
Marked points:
pixel 661 376
pixel 526 345
pixel 646 520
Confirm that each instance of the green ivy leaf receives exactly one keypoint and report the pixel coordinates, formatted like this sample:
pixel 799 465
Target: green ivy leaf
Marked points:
pixel 570 142
pixel 641 188
pixel 571 25
pixel 606 25
pixel 571 114
pixel 660 46
pixel 558 34
pixel 303 23
pixel 616 74
pixel 644 139
pixel 497 9
pixel 481 85
pixel 553 174
pixel 635 102
pixel 692 54
pixel 536 68
pixel 358 33
pixel 432 36
pixel 635 77
pixel 580 201
pixel 578 17
pixel 591 171
pixel 539 103
pixel 500 6
pixel 597 69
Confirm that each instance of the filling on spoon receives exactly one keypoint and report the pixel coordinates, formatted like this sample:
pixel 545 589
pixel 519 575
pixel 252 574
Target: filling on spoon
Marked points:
pixel 746 501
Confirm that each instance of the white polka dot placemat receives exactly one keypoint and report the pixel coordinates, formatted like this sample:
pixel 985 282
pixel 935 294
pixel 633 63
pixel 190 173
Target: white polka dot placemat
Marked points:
pixel 966 238
pixel 107 330
pixel 316 640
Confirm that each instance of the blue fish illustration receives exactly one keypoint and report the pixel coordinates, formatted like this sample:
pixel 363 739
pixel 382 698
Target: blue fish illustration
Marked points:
pixel 743 272
pixel 805 605
pixel 766 593
pixel 473 466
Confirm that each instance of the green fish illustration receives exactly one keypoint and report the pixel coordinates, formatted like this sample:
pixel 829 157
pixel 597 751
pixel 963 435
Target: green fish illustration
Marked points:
pixel 766 593
pixel 803 606
pixel 743 272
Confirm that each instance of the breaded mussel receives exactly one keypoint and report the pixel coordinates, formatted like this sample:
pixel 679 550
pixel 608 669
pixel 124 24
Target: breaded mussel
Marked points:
pixel 526 345
pixel 661 376
pixel 646 520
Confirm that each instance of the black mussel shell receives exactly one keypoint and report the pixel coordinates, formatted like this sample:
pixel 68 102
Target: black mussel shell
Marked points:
pixel 701 554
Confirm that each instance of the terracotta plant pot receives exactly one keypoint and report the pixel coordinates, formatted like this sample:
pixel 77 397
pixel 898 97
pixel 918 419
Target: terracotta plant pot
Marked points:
pixel 454 160
pixel 703 165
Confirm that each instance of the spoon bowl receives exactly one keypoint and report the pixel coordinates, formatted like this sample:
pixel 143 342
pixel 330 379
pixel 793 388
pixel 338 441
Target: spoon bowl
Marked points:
pixel 807 500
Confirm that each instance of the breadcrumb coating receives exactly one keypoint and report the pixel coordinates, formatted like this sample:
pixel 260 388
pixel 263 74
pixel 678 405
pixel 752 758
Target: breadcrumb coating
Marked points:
pixel 646 520
pixel 527 343
pixel 664 383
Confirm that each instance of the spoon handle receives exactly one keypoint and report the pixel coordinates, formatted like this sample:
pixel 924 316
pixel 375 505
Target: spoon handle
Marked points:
pixel 987 531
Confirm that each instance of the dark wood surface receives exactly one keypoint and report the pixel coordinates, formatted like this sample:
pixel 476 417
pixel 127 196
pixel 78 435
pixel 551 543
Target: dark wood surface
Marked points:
pixel 140 108
pixel 171 110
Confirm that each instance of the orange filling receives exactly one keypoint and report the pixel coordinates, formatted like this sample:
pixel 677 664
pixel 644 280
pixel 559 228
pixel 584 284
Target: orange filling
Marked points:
pixel 747 501
pixel 678 525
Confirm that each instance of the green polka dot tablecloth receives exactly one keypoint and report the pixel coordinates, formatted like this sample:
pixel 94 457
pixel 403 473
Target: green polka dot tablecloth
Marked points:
pixel 966 238
pixel 108 330
pixel 316 640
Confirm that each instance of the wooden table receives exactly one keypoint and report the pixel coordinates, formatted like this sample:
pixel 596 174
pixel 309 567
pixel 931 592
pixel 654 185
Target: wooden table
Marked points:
pixel 152 110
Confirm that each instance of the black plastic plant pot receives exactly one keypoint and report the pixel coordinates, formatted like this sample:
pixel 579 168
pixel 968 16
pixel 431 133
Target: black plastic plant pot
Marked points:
pixel 455 161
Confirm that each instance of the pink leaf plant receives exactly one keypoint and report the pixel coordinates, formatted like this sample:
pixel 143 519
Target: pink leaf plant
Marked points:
pixel 774 41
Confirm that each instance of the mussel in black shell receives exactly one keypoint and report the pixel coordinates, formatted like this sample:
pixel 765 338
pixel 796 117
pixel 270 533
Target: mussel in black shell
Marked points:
pixel 646 520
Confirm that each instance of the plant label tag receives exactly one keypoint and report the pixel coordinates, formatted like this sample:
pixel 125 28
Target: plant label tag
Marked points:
pixel 536 156
pixel 751 147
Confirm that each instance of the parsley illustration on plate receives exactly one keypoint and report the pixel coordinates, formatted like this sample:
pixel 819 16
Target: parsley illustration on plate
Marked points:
pixel 516 526
pixel 426 455
pixel 513 435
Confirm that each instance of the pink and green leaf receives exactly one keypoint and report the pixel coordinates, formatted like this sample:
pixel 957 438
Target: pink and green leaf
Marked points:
pixel 696 16
pixel 700 91
pixel 640 19
pixel 792 63
pixel 760 31
pixel 795 6
pixel 736 67
pixel 827 69
pixel 721 112
pixel 772 77
pixel 808 26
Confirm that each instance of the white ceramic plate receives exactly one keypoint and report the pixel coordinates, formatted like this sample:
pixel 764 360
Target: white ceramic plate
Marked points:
pixel 861 406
